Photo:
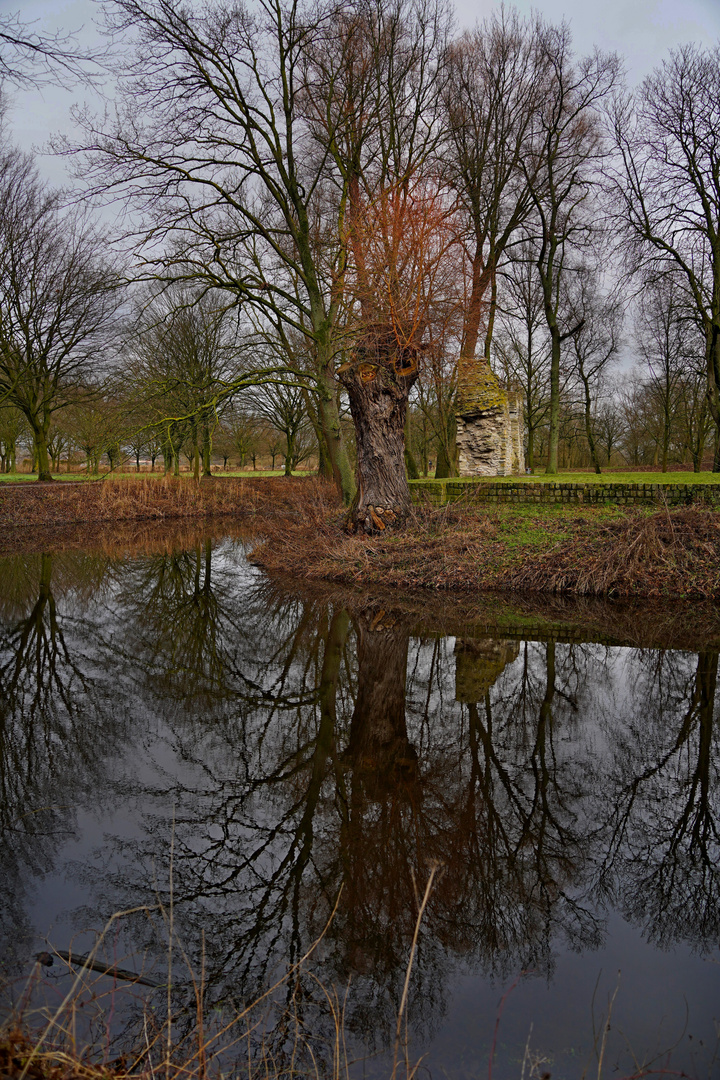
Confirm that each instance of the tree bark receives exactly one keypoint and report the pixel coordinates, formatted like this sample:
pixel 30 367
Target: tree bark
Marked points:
pixel 337 451
pixel 41 453
pixel 712 351
pixel 410 462
pixel 378 404
pixel 588 427
pixel 325 469
pixel 554 434
pixel 447 452
pixel 206 449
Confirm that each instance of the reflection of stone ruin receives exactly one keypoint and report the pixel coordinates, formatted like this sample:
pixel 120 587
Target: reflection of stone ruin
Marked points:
pixel 490 425
pixel 479 664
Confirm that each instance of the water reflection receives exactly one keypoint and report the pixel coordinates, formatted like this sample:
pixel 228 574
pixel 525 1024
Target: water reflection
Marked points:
pixel 56 726
pixel 292 746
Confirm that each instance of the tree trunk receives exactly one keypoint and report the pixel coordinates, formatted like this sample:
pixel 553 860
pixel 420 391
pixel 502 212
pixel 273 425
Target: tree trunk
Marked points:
pixel 712 356
pixel 41 452
pixel 588 429
pixel 410 463
pixel 337 451
pixel 554 434
pixel 446 465
pixel 379 748
pixel 206 450
pixel 666 430
pixel 288 467
pixel 379 406
pixel 325 469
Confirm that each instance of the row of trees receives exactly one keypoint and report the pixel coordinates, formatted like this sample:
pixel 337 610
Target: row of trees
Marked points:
pixel 95 434
pixel 346 204
pixel 630 425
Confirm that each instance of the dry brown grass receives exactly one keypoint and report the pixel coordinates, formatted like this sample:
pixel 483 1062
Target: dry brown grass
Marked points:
pixel 668 553
pixel 148 499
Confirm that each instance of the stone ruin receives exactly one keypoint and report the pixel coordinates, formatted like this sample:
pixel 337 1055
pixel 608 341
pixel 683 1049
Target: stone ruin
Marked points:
pixel 490 423
pixel 479 664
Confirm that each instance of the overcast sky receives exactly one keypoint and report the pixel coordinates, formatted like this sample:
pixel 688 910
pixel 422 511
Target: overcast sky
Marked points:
pixel 642 31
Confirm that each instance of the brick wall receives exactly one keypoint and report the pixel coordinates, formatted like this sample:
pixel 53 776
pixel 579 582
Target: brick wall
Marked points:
pixel 440 492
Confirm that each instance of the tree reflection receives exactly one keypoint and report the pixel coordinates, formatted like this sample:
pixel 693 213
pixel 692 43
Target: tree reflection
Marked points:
pixel 55 726
pixel 318 781
pixel 665 848
pixel 293 748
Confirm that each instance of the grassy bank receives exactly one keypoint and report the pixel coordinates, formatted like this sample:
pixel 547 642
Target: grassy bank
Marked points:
pixel 80 477
pixel 144 499
pixel 655 477
pixel 594 551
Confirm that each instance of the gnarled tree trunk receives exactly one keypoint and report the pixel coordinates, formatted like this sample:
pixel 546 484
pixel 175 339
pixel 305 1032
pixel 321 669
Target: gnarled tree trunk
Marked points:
pixel 378 402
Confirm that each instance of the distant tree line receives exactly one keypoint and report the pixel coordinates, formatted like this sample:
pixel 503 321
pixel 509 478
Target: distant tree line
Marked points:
pixel 335 207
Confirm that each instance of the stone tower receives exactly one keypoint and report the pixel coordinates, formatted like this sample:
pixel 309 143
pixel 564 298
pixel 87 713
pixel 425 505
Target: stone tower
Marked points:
pixel 490 423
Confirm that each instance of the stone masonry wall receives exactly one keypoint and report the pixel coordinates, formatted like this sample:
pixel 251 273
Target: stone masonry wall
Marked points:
pixel 444 491
pixel 490 431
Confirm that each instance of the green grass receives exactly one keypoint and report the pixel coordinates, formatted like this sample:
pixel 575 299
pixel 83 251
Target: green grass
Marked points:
pixel 588 478
pixel 238 474
pixel 522 526
pixel 17 478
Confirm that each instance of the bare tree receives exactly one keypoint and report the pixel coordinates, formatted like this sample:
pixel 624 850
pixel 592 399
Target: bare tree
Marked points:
pixel 57 298
pixel 662 337
pixel 521 345
pixel 29 58
pixel 233 140
pixel 185 354
pixel 668 183
pixel 609 425
pixel 492 95
pixel 12 427
pixel 595 345
pixel 284 409
pixel 561 174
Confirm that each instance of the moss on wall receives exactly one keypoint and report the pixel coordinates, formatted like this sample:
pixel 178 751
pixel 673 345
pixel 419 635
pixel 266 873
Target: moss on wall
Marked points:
pixel 479 389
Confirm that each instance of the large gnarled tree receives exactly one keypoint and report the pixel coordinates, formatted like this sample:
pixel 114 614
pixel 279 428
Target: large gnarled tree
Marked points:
pixel 244 148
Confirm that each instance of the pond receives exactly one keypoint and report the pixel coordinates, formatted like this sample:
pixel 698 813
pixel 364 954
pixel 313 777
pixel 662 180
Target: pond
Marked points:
pixel 257 770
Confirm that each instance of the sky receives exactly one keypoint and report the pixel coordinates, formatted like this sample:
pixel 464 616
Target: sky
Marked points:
pixel 642 31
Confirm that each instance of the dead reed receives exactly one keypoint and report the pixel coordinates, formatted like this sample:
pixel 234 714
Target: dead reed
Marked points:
pixel 663 554
pixel 150 499
pixel 669 553
pixel 71 1038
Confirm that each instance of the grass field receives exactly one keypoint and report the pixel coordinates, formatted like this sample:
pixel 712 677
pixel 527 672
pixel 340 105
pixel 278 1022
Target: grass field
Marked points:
pixel 239 474
pixel 538 478
pixel 590 478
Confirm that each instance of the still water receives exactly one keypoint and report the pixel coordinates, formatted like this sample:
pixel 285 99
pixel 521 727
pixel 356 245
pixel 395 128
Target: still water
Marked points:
pixel 275 767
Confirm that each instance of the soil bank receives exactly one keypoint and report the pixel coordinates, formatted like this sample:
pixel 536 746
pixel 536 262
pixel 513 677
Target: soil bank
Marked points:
pixel 298 530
